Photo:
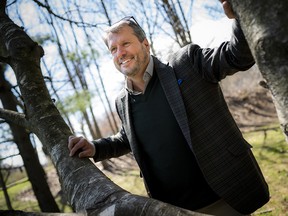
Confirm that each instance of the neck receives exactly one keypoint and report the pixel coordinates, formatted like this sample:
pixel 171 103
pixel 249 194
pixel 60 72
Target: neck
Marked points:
pixel 138 84
pixel 137 80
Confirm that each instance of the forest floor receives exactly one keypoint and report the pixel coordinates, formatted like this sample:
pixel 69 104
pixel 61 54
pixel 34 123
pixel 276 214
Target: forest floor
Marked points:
pixel 252 111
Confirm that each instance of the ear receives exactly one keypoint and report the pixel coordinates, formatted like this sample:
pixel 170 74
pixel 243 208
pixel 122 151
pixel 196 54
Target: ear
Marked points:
pixel 146 44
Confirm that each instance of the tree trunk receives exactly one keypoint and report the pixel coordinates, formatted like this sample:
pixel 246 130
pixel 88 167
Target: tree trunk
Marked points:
pixel 5 191
pixel 182 34
pixel 35 171
pixel 86 187
pixel 265 26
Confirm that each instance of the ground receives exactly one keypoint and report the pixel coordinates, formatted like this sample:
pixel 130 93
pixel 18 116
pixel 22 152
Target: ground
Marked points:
pixel 253 109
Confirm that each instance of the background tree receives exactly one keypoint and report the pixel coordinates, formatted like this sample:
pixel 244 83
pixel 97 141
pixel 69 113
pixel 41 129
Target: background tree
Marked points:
pixel 176 20
pixel 21 137
pixel 4 188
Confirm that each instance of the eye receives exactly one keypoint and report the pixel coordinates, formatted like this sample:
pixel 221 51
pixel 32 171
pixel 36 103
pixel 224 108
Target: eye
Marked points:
pixel 126 44
pixel 112 50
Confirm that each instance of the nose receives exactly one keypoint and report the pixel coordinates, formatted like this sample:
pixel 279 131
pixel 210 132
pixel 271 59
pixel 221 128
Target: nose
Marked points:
pixel 120 52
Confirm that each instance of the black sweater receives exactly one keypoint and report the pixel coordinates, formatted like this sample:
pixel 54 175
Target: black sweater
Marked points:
pixel 176 177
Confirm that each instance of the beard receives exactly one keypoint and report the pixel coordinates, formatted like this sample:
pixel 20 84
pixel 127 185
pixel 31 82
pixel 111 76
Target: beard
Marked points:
pixel 137 64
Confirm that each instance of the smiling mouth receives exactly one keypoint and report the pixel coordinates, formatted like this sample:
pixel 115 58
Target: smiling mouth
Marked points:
pixel 125 62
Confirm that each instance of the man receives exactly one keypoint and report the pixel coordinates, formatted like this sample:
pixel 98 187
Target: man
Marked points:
pixel 178 126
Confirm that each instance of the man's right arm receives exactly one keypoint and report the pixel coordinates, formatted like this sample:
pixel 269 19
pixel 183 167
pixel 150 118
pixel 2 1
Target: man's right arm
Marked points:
pixel 110 147
pixel 100 149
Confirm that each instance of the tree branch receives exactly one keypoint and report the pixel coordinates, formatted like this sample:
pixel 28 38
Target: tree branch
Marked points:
pixel 48 8
pixel 14 117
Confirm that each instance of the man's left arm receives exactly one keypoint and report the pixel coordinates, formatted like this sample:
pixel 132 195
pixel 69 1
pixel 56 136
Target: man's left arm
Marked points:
pixel 239 55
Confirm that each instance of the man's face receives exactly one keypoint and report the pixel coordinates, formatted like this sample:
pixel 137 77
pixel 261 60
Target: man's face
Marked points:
pixel 130 56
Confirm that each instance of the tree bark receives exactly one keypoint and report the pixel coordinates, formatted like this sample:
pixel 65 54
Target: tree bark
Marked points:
pixel 35 171
pixel 87 188
pixel 264 23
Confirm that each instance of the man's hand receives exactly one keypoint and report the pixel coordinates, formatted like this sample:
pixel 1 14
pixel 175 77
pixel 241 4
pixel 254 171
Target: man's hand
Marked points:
pixel 228 9
pixel 81 145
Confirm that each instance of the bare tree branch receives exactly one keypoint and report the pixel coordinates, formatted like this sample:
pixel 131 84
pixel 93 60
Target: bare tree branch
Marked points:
pixel 50 11
pixel 14 117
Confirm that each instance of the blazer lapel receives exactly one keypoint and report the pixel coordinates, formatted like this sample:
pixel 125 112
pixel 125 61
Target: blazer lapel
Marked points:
pixel 127 124
pixel 170 86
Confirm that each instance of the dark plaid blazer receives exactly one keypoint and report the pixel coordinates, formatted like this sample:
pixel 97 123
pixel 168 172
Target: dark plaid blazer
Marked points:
pixel 190 81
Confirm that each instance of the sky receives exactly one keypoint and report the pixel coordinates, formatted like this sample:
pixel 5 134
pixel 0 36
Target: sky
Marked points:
pixel 204 31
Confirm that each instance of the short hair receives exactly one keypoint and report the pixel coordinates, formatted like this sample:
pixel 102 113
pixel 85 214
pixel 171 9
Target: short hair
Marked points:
pixel 126 21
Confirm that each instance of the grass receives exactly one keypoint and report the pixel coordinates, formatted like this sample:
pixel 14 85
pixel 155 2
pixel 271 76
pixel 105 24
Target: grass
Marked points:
pixel 129 181
pixel 26 203
pixel 14 192
pixel 272 155
pixel 270 150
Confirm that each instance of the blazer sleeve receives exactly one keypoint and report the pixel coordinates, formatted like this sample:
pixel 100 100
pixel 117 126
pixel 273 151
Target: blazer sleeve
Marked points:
pixel 230 57
pixel 113 146
pixel 116 145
